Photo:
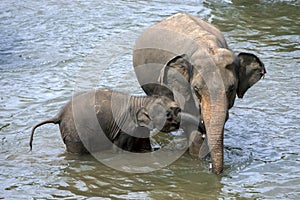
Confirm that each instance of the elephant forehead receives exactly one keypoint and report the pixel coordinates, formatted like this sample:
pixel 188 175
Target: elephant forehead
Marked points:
pixel 212 59
pixel 210 82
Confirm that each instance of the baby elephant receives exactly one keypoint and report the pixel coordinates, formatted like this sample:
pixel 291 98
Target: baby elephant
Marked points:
pixel 101 119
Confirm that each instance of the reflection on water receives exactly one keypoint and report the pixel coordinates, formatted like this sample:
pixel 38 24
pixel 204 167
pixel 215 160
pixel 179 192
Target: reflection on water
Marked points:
pixel 52 49
pixel 90 178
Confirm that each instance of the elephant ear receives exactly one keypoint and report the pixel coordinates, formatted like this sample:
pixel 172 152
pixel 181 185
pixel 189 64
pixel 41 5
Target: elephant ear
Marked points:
pixel 178 63
pixel 176 75
pixel 250 71
pixel 143 119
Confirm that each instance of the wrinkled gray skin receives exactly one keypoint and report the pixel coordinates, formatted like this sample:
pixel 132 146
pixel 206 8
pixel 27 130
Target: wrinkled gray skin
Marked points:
pixel 95 120
pixel 192 58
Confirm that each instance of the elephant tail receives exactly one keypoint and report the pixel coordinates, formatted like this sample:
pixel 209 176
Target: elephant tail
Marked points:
pixel 54 120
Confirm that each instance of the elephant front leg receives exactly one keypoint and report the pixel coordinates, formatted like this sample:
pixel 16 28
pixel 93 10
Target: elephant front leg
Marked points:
pixel 137 141
pixel 198 147
pixel 142 145
pixel 195 131
pixel 195 142
pixel 194 138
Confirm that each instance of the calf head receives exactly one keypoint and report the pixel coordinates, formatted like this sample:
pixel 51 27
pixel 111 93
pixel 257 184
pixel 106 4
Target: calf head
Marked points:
pixel 161 113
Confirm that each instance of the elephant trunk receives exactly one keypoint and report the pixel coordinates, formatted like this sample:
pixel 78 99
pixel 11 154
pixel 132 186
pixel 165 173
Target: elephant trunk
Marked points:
pixel 214 115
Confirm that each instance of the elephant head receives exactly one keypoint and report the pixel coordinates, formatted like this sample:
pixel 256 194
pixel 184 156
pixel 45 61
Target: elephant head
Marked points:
pixel 212 84
pixel 161 113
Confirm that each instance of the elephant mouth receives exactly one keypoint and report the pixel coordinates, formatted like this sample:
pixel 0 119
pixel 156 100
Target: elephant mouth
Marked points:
pixel 202 128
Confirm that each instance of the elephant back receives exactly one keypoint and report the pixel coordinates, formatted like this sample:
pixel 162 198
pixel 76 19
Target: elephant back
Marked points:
pixel 176 35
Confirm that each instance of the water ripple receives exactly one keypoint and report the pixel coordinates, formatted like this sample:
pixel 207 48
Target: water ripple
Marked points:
pixel 51 49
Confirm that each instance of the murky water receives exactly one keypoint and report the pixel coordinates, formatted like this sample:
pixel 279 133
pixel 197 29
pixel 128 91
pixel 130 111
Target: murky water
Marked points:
pixel 52 49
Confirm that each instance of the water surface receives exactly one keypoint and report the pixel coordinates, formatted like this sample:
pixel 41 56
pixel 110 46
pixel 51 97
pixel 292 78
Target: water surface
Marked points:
pixel 50 50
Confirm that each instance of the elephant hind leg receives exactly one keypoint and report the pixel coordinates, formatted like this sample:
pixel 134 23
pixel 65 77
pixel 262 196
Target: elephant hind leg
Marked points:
pixel 75 147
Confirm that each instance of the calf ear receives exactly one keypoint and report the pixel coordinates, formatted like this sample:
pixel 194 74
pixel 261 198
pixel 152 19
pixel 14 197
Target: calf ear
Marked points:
pixel 143 118
pixel 251 70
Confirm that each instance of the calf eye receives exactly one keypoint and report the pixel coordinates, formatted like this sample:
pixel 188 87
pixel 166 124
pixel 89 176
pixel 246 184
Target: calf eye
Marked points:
pixel 169 115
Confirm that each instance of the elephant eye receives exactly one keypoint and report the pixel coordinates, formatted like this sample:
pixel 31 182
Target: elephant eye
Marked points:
pixel 197 92
pixel 168 115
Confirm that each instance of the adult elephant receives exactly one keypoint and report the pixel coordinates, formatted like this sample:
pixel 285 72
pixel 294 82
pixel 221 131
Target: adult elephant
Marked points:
pixel 191 58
